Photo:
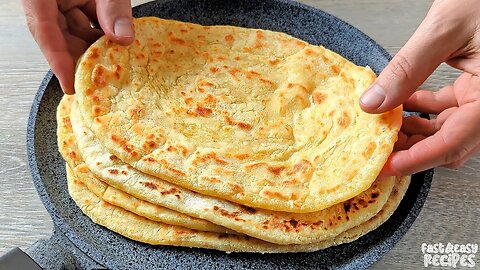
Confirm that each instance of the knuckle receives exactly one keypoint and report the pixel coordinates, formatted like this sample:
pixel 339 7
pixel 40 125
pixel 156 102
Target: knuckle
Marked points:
pixel 31 23
pixel 455 165
pixel 400 68
pixel 456 155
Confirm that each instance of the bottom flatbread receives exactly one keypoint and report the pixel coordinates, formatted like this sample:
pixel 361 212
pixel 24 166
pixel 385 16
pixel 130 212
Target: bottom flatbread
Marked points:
pixel 145 230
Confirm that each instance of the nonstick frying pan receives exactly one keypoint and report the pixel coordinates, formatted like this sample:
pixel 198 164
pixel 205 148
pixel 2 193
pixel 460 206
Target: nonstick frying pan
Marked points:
pixel 79 243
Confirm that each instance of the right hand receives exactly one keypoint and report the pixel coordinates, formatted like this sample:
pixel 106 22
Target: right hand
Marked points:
pixel 450 33
pixel 62 30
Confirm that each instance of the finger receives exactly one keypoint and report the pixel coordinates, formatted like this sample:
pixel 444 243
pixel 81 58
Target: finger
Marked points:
pixel 404 142
pixel 66 5
pixel 43 20
pixel 451 143
pixel 431 44
pixel 79 25
pixel 90 9
pixel 467 88
pixel 432 102
pixel 416 125
pixel 115 18
pixel 77 46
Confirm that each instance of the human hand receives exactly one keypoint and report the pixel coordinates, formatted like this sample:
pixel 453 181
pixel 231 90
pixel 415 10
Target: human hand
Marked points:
pixel 449 33
pixel 62 30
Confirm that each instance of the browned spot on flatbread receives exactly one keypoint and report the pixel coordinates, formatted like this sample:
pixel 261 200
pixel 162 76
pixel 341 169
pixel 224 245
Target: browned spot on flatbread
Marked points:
pixel 318 98
pixel 276 194
pixel 268 82
pixel 210 179
pixel 169 166
pixel 242 156
pixel 172 38
pixel 106 204
pixel 276 169
pixel 214 69
pixel 225 212
pixel 149 159
pixel 211 156
pixel 293 222
pixel 73 154
pixel 302 87
pixel 247 209
pixel 245 126
pixel 125 146
pixel 172 190
pixel 94 53
pixel 233 72
pixel 67 123
pixel 149 185
pixel 367 153
pixel 235 187
pixel 346 207
pixel 229 38
pixel 188 100
pixel 303 167
pixel 335 69
pixel 205 83
pixel 96 99
pixel 344 120
pixel 116 71
pixel 273 62
pixel 202 111
pixel 149 145
pixel 309 52
pixel 210 100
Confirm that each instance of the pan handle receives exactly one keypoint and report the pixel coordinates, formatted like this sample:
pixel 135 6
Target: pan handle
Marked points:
pixel 17 259
pixel 56 252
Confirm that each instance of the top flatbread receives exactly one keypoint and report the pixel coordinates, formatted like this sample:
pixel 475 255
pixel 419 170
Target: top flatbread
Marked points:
pixel 252 116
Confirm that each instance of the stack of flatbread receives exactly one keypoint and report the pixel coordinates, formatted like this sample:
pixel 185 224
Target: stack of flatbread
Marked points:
pixel 227 138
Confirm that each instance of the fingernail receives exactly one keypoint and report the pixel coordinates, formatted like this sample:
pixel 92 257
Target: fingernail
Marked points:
pixel 373 97
pixel 123 27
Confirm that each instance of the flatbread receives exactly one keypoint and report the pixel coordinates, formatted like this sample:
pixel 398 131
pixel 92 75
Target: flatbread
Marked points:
pixel 142 229
pixel 272 226
pixel 252 116
pixel 68 149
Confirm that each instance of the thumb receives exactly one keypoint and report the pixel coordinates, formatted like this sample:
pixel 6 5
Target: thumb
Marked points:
pixel 115 18
pixel 414 63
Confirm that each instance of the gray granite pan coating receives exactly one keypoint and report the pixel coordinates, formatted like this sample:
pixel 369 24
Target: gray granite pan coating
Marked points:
pixel 114 251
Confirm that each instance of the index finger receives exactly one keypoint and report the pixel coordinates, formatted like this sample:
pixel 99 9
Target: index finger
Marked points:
pixel 437 37
pixel 43 21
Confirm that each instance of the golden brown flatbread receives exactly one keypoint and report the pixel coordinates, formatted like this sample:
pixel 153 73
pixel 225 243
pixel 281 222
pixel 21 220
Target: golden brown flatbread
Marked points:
pixel 68 149
pixel 251 116
pixel 145 230
pixel 273 226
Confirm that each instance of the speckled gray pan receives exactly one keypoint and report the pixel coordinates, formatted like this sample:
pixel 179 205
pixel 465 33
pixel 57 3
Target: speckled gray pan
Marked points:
pixel 114 251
